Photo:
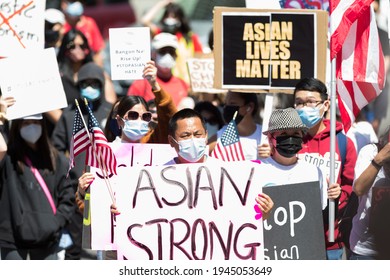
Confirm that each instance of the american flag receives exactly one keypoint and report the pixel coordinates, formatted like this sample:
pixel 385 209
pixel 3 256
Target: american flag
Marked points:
pixel 355 43
pixel 80 140
pixel 100 148
pixel 228 147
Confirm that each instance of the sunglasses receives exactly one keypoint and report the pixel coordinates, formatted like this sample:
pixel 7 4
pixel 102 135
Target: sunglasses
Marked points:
pixel 133 115
pixel 72 46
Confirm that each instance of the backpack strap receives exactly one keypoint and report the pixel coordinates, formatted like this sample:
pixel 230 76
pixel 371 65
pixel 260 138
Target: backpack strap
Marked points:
pixel 43 185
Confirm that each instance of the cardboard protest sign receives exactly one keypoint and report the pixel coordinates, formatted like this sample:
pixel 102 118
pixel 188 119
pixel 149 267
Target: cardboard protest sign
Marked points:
pixel 294 230
pixel 127 155
pixel 268 49
pixel 20 79
pixel 201 72
pixel 21 26
pixel 188 211
pixel 129 52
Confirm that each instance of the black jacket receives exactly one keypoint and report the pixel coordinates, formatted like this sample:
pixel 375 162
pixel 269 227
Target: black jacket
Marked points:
pixel 26 218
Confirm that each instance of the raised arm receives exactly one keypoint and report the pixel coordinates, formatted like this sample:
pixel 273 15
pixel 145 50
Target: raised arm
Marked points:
pixel 5 102
pixel 147 19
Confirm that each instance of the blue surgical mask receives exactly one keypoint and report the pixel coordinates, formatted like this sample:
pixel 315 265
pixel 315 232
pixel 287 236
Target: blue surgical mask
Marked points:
pixel 310 116
pixel 192 149
pixel 90 93
pixel 135 129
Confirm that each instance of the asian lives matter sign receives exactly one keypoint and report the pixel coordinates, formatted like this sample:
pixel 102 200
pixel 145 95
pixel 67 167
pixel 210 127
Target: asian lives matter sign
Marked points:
pixel 268 49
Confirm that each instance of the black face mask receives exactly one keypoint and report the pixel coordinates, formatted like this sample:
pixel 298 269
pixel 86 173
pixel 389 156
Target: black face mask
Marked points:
pixel 288 146
pixel 228 113
pixel 51 36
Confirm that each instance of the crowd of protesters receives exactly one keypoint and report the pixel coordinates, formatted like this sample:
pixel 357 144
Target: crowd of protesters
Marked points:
pixel 34 150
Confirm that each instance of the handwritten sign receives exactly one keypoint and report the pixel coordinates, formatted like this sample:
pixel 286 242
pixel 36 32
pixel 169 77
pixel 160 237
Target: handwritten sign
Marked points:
pixel 268 49
pixel 129 52
pixel 127 155
pixel 43 89
pixel 294 230
pixel 187 211
pixel 21 26
pixel 323 163
pixel 202 75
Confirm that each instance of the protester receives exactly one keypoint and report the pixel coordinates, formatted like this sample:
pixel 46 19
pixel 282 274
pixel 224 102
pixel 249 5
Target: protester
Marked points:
pixel 312 102
pixel 133 120
pixel 31 224
pixel 76 19
pixel 188 136
pixel 90 83
pixel 370 230
pixel 285 136
pixel 174 21
pixel 74 52
pixel 54 22
pixel 212 116
pixel 247 106
pixel 164 47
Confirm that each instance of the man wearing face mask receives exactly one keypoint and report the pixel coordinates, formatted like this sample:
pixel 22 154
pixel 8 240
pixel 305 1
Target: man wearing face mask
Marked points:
pixel 164 47
pixel 246 105
pixel 188 136
pixel 90 81
pixel 312 103
pixel 54 22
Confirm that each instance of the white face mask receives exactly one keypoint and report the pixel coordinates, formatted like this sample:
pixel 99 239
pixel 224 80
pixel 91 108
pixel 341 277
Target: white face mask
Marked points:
pixel 135 130
pixel 31 133
pixel 192 149
pixel 165 61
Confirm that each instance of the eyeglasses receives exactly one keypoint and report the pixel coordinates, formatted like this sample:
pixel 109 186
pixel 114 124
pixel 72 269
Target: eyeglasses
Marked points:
pixel 72 46
pixel 133 115
pixel 308 103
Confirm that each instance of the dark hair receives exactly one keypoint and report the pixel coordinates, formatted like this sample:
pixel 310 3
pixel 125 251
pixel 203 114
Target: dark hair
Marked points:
pixel 312 84
pixel 129 101
pixel 64 63
pixel 210 107
pixel 185 113
pixel 18 149
pixel 111 115
pixel 177 10
pixel 249 97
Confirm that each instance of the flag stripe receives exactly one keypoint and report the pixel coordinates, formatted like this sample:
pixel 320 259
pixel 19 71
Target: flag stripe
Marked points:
pixel 228 147
pixel 359 63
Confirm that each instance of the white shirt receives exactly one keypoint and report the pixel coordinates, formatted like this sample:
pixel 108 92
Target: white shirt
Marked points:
pixel 249 143
pixel 301 171
pixel 361 241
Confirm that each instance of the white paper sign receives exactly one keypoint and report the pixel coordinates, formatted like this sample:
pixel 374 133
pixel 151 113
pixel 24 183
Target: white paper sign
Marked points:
pixel 34 80
pixel 129 52
pixel 189 211
pixel 21 26
pixel 202 75
pixel 321 162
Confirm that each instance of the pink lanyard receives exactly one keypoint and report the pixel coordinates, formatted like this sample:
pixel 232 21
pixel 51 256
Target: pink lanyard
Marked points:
pixel 43 185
